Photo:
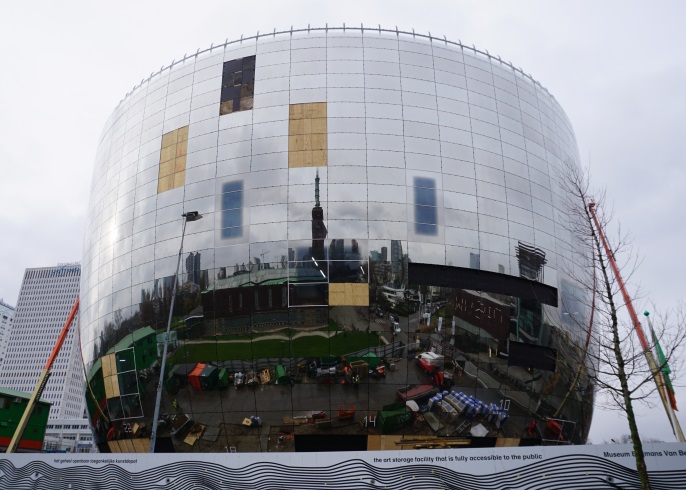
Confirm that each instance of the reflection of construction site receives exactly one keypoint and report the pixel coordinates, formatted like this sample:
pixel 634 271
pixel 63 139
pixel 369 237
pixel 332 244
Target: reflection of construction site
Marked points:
pixel 268 410
pixel 435 367
pixel 414 401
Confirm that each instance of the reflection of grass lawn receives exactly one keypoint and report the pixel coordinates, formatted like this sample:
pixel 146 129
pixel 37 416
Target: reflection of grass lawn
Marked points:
pixel 311 346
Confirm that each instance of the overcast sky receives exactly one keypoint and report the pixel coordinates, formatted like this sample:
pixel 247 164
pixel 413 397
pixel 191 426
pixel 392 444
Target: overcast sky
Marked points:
pixel 618 68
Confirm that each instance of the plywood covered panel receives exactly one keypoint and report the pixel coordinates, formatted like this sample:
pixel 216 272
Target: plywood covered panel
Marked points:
pixel 168 153
pixel 114 446
pixel 307 138
pixel 167 168
pixel 348 294
pixel 170 138
pixel 141 445
pixel 180 164
pixel 172 170
pixel 165 184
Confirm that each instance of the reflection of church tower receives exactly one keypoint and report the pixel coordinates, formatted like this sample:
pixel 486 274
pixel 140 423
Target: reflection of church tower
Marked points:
pixel 318 227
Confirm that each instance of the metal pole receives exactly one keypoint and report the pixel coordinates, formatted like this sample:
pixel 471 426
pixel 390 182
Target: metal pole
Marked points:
pixel 676 427
pixel 158 398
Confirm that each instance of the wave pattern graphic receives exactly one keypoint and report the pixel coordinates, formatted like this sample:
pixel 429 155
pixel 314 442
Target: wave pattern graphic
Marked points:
pixel 565 472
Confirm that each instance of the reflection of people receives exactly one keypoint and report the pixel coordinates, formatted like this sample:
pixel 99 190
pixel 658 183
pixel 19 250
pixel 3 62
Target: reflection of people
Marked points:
pixel 175 404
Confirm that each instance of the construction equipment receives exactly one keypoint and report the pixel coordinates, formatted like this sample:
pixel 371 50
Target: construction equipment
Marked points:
pixel 42 381
pixel 647 351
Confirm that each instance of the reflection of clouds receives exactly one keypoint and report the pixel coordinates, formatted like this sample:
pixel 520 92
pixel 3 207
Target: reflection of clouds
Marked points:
pixel 348 210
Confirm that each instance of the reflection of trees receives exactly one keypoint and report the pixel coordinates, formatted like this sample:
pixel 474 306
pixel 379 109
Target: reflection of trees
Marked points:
pixel 112 332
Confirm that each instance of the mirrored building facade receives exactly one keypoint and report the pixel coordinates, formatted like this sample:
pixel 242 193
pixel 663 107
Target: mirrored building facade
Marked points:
pixel 383 222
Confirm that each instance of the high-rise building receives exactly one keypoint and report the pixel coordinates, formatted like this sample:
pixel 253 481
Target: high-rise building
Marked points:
pixel 6 315
pixel 324 146
pixel 193 271
pixel 46 298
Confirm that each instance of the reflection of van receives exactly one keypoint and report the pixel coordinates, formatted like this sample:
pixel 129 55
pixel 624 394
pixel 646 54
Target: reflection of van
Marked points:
pixel 395 327
pixel 430 358
pixel 430 361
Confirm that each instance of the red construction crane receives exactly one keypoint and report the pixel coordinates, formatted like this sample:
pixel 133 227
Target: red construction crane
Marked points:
pixel 42 381
pixel 647 351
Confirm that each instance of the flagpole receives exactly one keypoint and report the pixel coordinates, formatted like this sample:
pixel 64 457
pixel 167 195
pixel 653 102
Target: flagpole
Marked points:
pixel 664 387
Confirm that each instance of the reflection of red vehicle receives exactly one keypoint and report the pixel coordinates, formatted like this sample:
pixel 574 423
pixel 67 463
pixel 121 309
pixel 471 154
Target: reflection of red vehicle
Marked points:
pixel 346 412
pixel 430 362
pixel 424 364
pixel 415 392
pixel 321 414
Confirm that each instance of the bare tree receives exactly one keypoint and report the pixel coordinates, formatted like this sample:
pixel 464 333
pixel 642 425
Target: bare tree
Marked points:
pixel 612 355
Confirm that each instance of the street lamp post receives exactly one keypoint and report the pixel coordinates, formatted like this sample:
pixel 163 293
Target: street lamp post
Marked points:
pixel 189 216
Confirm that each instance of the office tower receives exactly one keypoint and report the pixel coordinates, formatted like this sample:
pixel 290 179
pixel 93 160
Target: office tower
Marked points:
pixel 45 300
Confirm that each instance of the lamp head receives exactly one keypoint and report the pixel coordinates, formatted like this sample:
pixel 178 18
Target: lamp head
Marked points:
pixel 192 216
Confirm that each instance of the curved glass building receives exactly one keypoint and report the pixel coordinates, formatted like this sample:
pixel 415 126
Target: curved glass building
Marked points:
pixel 367 196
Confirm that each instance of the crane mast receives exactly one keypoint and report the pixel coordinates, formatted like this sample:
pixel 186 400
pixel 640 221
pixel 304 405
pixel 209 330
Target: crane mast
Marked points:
pixel 647 351
pixel 42 381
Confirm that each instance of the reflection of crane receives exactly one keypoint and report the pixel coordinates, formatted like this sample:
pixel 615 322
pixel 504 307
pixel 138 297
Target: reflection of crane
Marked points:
pixel 42 381
pixel 262 254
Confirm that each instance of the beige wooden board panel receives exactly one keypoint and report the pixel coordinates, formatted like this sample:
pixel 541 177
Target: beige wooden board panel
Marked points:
pixel 105 362
pixel 168 153
pixel 348 294
pixel 112 386
pixel 183 134
pixel 336 294
pixel 165 184
pixel 320 158
pixel 127 445
pixel 374 443
pixel 507 442
pixel 315 109
pixel 140 446
pixel 114 446
pixel 360 294
pixel 167 168
pixel 318 125
pixel 107 381
pixel 296 111
pixel 316 141
pixel 181 148
pixel 180 164
pixel 170 138
pixel 299 159
pixel 296 126
pixel 112 359
pixel 296 142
